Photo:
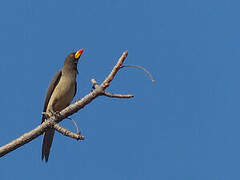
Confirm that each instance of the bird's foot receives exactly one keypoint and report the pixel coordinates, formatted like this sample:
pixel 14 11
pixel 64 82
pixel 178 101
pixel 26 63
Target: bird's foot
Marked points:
pixel 46 115
pixel 55 113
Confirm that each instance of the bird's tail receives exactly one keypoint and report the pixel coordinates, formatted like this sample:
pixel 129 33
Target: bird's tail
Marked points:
pixel 47 143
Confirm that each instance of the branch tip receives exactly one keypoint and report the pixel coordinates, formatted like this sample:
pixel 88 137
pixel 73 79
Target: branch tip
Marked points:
pixel 118 95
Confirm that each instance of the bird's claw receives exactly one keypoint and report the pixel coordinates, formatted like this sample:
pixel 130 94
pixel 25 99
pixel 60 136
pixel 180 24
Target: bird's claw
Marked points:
pixel 55 113
pixel 46 115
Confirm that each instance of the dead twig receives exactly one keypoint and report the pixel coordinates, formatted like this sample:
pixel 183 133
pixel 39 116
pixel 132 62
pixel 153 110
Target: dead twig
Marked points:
pixel 68 133
pixel 75 124
pixel 118 95
pixel 140 67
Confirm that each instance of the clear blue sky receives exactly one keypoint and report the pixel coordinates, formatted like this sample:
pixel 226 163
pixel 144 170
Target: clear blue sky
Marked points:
pixel 183 127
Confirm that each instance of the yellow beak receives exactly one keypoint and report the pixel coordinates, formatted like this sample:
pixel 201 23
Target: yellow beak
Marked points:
pixel 78 54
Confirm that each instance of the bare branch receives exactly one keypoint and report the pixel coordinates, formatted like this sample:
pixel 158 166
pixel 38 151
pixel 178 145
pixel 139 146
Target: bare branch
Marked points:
pixel 50 122
pixel 110 77
pixel 118 95
pixel 25 138
pixel 68 133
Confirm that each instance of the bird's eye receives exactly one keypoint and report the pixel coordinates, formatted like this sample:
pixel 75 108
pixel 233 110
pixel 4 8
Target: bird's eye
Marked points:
pixel 71 55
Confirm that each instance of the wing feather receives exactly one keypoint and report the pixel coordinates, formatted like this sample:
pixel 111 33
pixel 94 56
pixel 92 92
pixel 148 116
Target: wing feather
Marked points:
pixel 50 90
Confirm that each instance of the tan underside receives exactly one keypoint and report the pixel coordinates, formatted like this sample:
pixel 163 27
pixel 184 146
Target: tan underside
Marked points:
pixel 62 94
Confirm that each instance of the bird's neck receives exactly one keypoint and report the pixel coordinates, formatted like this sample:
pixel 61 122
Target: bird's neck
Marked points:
pixel 69 72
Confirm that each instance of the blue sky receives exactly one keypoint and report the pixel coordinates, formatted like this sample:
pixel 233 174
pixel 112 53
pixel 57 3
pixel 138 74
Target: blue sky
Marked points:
pixel 183 126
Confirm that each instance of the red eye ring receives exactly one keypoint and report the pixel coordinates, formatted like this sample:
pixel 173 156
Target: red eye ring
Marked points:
pixel 71 55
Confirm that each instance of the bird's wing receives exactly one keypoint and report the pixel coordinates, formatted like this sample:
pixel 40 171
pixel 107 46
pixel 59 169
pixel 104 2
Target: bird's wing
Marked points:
pixel 75 88
pixel 50 90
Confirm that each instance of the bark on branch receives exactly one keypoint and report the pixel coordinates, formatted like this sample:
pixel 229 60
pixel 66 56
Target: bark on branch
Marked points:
pixel 52 121
pixel 68 133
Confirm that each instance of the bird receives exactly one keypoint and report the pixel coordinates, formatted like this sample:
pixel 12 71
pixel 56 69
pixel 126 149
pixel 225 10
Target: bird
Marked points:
pixel 60 93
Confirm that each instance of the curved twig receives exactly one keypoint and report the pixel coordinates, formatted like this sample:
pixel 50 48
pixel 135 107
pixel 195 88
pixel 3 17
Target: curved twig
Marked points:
pixel 140 67
pixel 75 124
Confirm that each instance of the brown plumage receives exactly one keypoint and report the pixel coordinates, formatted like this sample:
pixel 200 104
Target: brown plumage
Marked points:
pixel 59 95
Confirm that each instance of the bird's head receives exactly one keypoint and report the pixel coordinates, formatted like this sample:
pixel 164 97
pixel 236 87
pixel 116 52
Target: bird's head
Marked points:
pixel 72 59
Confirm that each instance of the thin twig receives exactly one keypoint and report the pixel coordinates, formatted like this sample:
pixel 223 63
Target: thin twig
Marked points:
pixel 140 67
pixel 75 124
pixel 68 133
pixel 118 95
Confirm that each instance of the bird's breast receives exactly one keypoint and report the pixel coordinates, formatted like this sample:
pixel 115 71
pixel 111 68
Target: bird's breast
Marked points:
pixel 62 94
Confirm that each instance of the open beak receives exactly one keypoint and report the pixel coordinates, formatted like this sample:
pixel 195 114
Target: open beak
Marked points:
pixel 78 54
